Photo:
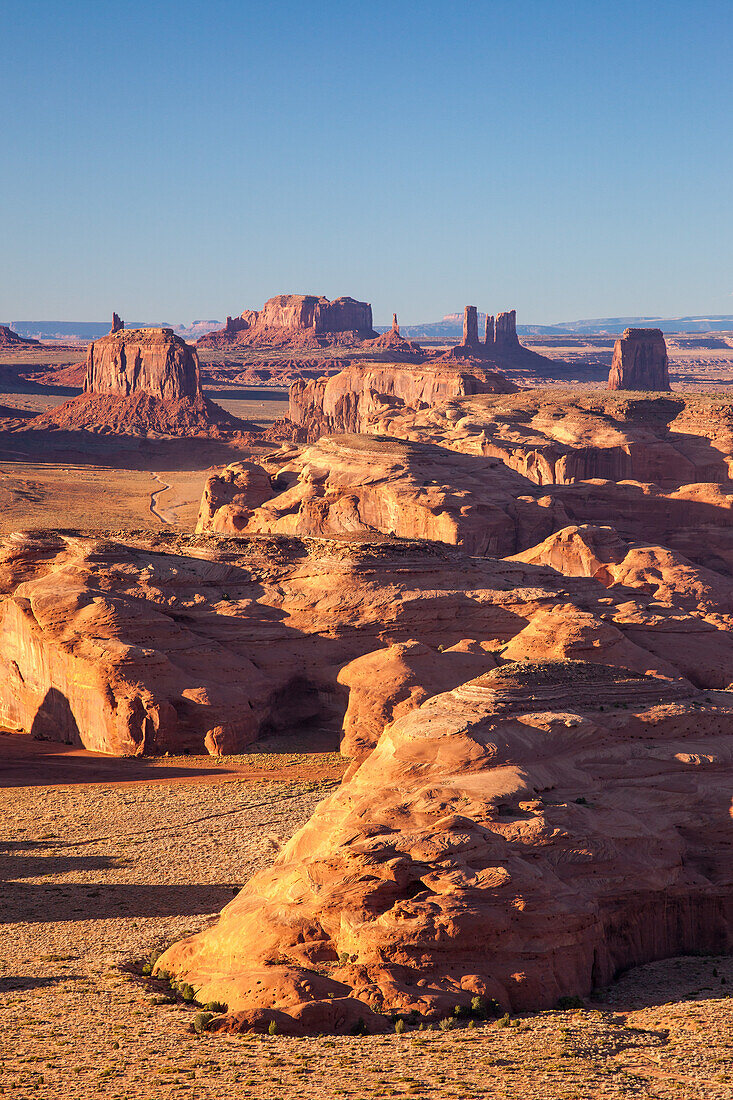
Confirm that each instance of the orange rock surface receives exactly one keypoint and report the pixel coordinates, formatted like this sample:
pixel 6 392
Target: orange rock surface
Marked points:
pixel 140 381
pixel 520 838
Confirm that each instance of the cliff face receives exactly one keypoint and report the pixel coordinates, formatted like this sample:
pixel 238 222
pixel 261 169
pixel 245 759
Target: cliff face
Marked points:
pixel 639 361
pixel 521 837
pixel 153 361
pixel 141 382
pixel 345 401
pixel 300 320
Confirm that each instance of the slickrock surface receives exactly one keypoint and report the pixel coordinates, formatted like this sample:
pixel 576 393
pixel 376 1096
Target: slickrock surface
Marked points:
pixel 523 837
pixel 350 400
pixel 639 361
pixel 98 873
pixel 162 643
pixel 140 382
pixel 303 320
pixel 349 484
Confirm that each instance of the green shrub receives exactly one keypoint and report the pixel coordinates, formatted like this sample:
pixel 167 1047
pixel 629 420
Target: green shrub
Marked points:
pixel 216 1007
pixel 505 1021
pixel 399 1026
pixel 272 1028
pixel 188 993
pixel 201 1021
pixel 446 1023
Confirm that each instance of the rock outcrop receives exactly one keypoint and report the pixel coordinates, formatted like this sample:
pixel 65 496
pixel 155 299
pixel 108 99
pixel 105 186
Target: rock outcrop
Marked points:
pixel 396 344
pixel 639 361
pixel 149 360
pixel 302 320
pixel 520 838
pixel 346 401
pixel 140 381
pixel 11 339
pixel 175 643
pixel 500 343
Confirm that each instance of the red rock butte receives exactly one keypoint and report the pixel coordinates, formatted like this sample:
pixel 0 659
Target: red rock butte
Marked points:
pixel 639 361
pixel 301 319
pixel 153 360
pixel 137 381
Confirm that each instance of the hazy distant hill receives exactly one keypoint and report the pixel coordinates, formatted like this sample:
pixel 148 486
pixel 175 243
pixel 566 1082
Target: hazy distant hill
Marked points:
pixel 92 330
pixel 451 327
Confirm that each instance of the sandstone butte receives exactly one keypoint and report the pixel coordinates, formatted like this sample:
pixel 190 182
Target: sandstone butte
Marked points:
pixel 11 339
pixel 140 381
pixel 299 320
pixel 519 838
pixel 639 361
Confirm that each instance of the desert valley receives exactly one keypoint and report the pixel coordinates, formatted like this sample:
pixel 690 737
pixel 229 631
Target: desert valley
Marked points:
pixel 367 710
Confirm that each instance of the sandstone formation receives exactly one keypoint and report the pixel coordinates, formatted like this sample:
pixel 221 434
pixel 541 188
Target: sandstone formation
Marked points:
pixel 173 643
pixel 520 838
pixel 150 360
pixel 346 401
pixel 303 320
pixel 11 339
pixel 396 344
pixel 639 361
pixel 500 344
pixel 117 323
pixel 140 381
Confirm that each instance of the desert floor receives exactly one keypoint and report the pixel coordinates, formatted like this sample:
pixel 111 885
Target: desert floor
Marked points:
pixel 105 482
pixel 104 860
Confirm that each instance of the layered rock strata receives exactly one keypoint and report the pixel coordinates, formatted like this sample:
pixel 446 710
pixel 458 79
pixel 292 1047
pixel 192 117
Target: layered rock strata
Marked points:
pixel 520 838
pixel 173 643
pixel 298 319
pixel 140 381
pixel 348 400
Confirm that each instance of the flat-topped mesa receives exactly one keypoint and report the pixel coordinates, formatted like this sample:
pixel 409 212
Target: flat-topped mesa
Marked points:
pixel 639 361
pixel 144 360
pixel 304 319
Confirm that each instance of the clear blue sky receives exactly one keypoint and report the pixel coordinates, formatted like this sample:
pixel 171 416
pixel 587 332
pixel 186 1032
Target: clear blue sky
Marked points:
pixel 189 159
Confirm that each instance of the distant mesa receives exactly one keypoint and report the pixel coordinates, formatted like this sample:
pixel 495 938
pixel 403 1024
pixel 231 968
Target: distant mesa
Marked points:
pixel 300 320
pixel 11 339
pixel 140 381
pixel 640 361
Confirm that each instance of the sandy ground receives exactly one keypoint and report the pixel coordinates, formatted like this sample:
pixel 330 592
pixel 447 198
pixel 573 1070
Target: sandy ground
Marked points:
pixel 104 860
pixel 105 482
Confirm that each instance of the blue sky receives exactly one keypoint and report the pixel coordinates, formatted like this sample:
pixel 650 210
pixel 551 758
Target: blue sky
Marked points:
pixel 180 160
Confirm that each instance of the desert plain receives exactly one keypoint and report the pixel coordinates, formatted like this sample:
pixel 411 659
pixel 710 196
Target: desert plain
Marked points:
pixel 397 547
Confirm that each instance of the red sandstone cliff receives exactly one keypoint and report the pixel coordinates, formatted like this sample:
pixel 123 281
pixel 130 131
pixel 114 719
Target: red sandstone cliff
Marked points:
pixel 140 381
pixel 639 361
pixel 344 402
pixel 303 320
